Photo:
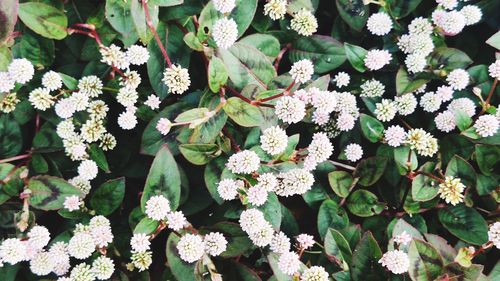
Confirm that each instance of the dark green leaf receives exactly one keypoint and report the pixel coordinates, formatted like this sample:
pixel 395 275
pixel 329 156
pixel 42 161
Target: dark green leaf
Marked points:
pixel 108 197
pixel 49 193
pixel 337 248
pixel 199 154
pixel 340 182
pixel 487 157
pixel 425 262
pixel 450 58
pixel 356 56
pixel 465 223
pixel 325 52
pixel 217 74
pixel 146 226
pixel 370 170
pixel 366 257
pixel 330 215
pixel 119 15
pixel 244 114
pixel 363 203
pixel 11 140
pixel 44 19
pixel 372 129
pixel 458 167
pixel 354 12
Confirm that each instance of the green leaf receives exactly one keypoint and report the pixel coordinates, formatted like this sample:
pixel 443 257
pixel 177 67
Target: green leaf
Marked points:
pixel 97 154
pixel 244 114
pixel 330 215
pixel 39 164
pixel 193 42
pixel 272 211
pixel 181 269
pixel 337 248
pixel 401 9
pixel 217 74
pixel 139 19
pixel 108 197
pixel 447 252
pixel 372 129
pixel 199 154
pixel 212 176
pixel 192 115
pixel 460 168
pixel 165 3
pixel 425 262
pixel 494 40
pixel 49 193
pixel 366 257
pixel 242 14
pixel 163 179
pixel 273 259
pixel 44 19
pixel 238 241
pixel 363 203
pixel 9 272
pixel 450 58
pixel 265 43
pixel 37 49
pixel 356 56
pixel 401 158
pixel 406 84
pixel 465 223
pixel 8 16
pixel 325 52
pixel 340 182
pixel 462 120
pixel 424 188
pixel 354 12
pixel 146 226
pixel 5 57
pixel 487 157
pixel 370 170
pixel 119 15
pixel 11 140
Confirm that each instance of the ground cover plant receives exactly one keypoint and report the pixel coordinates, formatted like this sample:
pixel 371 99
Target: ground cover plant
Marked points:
pixel 282 140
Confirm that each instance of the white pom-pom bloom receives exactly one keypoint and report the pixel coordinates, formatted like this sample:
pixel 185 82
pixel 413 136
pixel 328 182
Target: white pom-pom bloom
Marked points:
pixel 41 99
pixel 452 22
pixel 280 243
pixel 395 136
pixel 243 162
pixel 314 273
pixel 320 148
pixel 251 220
pixel 257 195
pixel 59 254
pixel 494 69
pixel 215 243
pixel 320 117
pixel 267 181
pixel 127 120
pixel 458 79
pixel 376 59
pixel 114 56
pixel 228 188
pixel 345 122
pixel 445 93
pixel 385 110
pixel 65 108
pixel 379 24
pixel 72 203
pixel 176 220
pixel 463 104
pixel 52 80
pixel 177 79
pixel 39 236
pixel 21 70
pixel 353 152
pixel 153 102
pixel 289 263
pixel 42 263
pixel 324 101
pixel 224 6
pixel 82 184
pixel 81 245
pixel 290 109
pixel 406 104
pixel 305 241
pixel 102 236
pixel 274 140
pixel 140 242
pixel 103 267
pixel 494 234
pixel 342 79
pixel 304 22
pixel 262 236
pixel 295 181
pixel 275 9
pixel 137 55
pixel 225 32
pixel 6 82
pixel 472 14
pixel 142 260
pixel 87 170
pixel 12 250
pixel 90 85
pixel 451 190
pixel 8 102
pixel 163 126
pixel 415 63
pixel 302 71
pixel 403 238
pixel 191 248
pixel 305 95
pixel 486 125
pixel 157 207
pixel 127 96
pixel 82 272
pixel 445 121
pixel 417 44
pixel 448 4
pixel 372 88
pixel 430 102
pixel 130 80
pixel 421 141
pixel 420 25
pixel 396 261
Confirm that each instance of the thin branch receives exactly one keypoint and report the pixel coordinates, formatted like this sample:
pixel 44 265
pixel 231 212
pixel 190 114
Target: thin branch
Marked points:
pixel 153 30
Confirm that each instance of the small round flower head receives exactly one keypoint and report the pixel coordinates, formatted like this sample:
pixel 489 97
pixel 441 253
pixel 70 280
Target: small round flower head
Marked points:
pixel 225 32
pixel 87 170
pixel 52 80
pixel 21 70
pixel 59 254
pixel 98 221
pixel 65 108
pixel 320 148
pixel 157 207
pixel 494 234
pixel 108 142
pixel 448 4
pixel 81 245
pixel 396 261
pixel 97 110
pixel 295 181
pixel 430 102
pixel 324 101
pixel 494 69
pixel 372 88
pixel 342 79
pixel 274 140
pixel 304 241
pixel 267 181
pixel 92 130
pixel 42 263
pixel 302 71
pixel 395 136
pixel 406 104
pixel 41 99
pixel 472 14
pixel 6 82
pixel 345 122
pixel 419 26
pixel 280 243
pixel 243 162
pixel 346 103
pixel 289 263
pixel 251 219
pixel 163 126
pixel 177 79
pixel 137 55
pixel 8 102
pixel 39 236
pixel 82 184
pixel 81 100
pixel 320 117
pixel 275 9
pixel 417 44
pixel 261 235
pixel 305 95
pixel 379 24
pixel 290 109
pixel 314 273
pixel 102 236
pixel 224 6
pixel 228 188
pixel 75 147
pixel 422 142
pixel 90 85
pixel 257 195
pixel 72 203
pixel 458 79
pixel 376 59
pixel 486 125
pixel 12 250
pixel 140 242
pixel 451 190
pixel 304 22
pixel 127 97
pixel 130 80
pixel 153 102
pixel 127 120
pixel 215 243
pixel 452 22
pixel 82 272
pixel 176 220
pixel 103 267
pixel 353 152
pixel 142 260
pixel 191 248
pixel 445 121
pixel 403 238
pixel 445 93
pixel 415 63
pixel 463 104
pixel 385 110
pixel 114 56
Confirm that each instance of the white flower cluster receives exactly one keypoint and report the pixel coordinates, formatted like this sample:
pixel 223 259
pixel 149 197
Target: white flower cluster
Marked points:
pixel 243 162
pixel 451 190
pixel 275 9
pixel 192 247
pixel 494 234
pixel 158 208
pixel 417 44
pixel 19 71
pixel 422 142
pixel 452 22
pixel 320 150
pixel 396 261
pixel 304 23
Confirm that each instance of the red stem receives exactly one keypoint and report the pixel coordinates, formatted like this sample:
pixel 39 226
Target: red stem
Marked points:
pixel 153 30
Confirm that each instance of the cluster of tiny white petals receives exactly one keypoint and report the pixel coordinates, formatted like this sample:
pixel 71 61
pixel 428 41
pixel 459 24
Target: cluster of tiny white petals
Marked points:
pixel 420 25
pixel 90 85
pixel 225 32
pixel 257 195
pixel 320 148
pixel 445 121
pixel 305 241
pixel 42 263
pixel 142 260
pixel 243 162
pixel 251 219
pixel 140 242
pixel 445 93
pixel 353 152
pixel 385 110
pixel 345 122
pixel 127 120
pixel 215 243
pixel 153 102
pixel 494 69
pixel 224 6
pixel 472 14
pixel 379 24
pixel 41 99
pixel 274 140
pixel 462 104
pixel 314 273
pixel 163 126
pixel 228 188
pixel 39 236
pixel 72 203
pixel 324 101
pixel 52 80
pixel 21 70
pixel 342 79
pixel 396 261
pixel 451 190
pixel 302 71
pixel 486 125
pixel 295 181
pixel 430 102
pixel 81 245
pixel 6 82
pixel 372 88
pixel 415 63
pixel 103 267
pixel 191 247
pixel 127 96
pixel 176 220
pixel 494 234
pixel 275 9
pixel 403 238
pixel 458 79
pixel 289 263
pixel 421 141
pixel 304 22
pixel 114 56
pixel 320 117
pixel 80 183
pixel 448 4
pixel 12 250
pixel 406 104
pixel 82 272
pixel 280 243
pixel 290 109
pixel 376 59
pixel 157 207
pixel 87 170
pixel 177 79
pixel 65 108
pixel 452 22
pixel 137 55
pixel 267 181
